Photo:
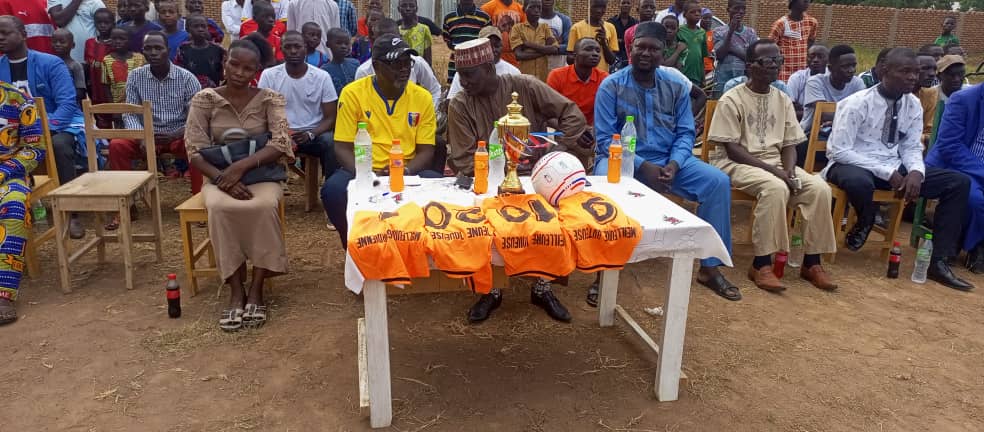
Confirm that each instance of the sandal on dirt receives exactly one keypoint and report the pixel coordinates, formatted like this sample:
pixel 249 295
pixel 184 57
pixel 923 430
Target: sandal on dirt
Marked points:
pixel 254 316
pixel 112 225
pixel 722 287
pixel 7 314
pixel 231 320
pixel 592 299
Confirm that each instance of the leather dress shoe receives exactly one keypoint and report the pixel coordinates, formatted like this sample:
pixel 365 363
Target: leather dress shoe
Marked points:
pixel 857 236
pixel 816 275
pixel 481 310
pixel 765 279
pixel 975 260
pixel 549 303
pixel 940 272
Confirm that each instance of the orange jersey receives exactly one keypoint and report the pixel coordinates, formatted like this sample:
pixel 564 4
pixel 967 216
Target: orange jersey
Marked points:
pixel 460 243
pixel 602 234
pixel 529 237
pixel 390 246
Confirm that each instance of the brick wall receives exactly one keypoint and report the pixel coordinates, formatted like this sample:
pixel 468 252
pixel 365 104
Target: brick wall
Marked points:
pixel 875 27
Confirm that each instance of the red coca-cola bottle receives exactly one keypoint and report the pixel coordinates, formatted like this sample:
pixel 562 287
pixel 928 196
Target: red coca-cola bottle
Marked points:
pixel 894 261
pixel 173 296
pixel 779 266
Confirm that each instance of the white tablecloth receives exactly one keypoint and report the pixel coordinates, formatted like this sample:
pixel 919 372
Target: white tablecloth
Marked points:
pixel 668 229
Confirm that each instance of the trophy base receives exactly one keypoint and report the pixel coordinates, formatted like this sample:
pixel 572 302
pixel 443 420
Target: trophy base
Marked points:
pixel 511 190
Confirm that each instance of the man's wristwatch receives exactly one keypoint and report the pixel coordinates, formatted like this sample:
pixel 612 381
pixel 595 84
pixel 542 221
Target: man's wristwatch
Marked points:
pixel 310 135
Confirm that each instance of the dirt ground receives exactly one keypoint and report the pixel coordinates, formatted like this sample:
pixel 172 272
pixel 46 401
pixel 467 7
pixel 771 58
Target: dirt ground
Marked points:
pixel 879 355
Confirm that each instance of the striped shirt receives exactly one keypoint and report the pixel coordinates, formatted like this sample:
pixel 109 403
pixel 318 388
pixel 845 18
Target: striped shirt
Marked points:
pixel 169 97
pixel 349 19
pixel 460 28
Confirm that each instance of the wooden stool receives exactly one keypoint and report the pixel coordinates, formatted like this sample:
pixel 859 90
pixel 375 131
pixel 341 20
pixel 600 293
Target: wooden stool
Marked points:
pixel 191 212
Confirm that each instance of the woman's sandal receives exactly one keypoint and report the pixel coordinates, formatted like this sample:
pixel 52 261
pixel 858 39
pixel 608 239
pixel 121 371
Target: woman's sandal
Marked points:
pixel 722 287
pixel 231 320
pixel 254 316
pixel 592 299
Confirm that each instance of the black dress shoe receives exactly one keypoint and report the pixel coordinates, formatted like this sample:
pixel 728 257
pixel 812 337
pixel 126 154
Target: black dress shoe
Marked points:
pixel 857 236
pixel 940 272
pixel 975 260
pixel 481 310
pixel 549 303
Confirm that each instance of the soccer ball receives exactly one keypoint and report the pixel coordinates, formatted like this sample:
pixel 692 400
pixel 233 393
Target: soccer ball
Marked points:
pixel 558 175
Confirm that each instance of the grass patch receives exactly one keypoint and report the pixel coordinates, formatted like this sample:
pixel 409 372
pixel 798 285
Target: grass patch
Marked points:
pixel 190 338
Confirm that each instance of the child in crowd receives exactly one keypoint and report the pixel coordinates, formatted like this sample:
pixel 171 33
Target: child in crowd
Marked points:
pixel 62 44
pixel 116 66
pixel 362 47
pixel 706 22
pixel 169 16
pixel 201 56
pixel 505 25
pixel 341 67
pixel 123 12
pixel 595 27
pixel 533 41
pixel 417 35
pixel 696 40
pixel 197 7
pixel 312 39
pixel 96 49
pixel 954 49
pixel 265 22
pixel 364 25
pixel 947 37
pixel 675 51
pixel 138 25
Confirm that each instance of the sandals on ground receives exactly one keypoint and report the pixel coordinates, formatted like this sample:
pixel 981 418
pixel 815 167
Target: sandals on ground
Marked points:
pixel 592 299
pixel 231 320
pixel 722 287
pixel 254 316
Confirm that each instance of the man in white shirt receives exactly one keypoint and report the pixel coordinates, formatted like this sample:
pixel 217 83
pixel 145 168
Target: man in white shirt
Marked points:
pixel 321 12
pixel 232 17
pixel 311 100
pixel 420 72
pixel 78 17
pixel 494 36
pixel 832 86
pixel 875 144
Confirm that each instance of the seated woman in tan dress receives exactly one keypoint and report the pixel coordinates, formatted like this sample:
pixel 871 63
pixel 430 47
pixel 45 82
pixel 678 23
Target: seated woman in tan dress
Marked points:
pixel 242 220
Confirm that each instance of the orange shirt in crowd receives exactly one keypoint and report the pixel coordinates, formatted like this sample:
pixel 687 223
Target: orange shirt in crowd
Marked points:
pixel 497 10
pixel 566 82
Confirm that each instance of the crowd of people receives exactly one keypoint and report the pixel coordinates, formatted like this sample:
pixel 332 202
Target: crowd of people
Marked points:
pixel 305 76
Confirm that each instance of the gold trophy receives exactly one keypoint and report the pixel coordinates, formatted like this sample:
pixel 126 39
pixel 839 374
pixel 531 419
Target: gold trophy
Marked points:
pixel 514 130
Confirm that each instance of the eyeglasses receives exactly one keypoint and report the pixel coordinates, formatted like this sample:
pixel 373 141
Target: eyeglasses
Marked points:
pixel 765 61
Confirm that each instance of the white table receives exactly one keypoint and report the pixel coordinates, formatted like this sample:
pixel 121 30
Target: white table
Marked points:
pixel 668 231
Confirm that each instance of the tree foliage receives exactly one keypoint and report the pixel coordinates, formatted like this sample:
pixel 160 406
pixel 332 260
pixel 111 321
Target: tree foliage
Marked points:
pixel 964 5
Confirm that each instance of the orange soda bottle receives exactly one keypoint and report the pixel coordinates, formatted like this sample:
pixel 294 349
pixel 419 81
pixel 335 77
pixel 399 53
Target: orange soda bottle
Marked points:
pixel 615 159
pixel 481 169
pixel 396 167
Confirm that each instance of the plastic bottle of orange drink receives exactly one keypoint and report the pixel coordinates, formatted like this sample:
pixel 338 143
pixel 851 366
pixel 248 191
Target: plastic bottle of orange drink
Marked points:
pixel 615 159
pixel 481 169
pixel 396 167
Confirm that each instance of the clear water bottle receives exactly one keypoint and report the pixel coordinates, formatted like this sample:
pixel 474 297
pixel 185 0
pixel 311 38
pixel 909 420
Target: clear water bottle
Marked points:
pixel 363 158
pixel 923 256
pixel 497 159
pixel 796 244
pixel 39 214
pixel 628 147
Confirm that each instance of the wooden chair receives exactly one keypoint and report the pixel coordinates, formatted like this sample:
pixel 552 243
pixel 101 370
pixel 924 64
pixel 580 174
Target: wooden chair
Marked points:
pixel 311 174
pixel 841 203
pixel 45 180
pixel 100 192
pixel 736 195
pixel 190 213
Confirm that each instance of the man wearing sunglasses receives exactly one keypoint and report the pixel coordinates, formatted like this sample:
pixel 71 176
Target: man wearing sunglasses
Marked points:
pixel 875 144
pixel 420 73
pixel 756 127
pixel 393 109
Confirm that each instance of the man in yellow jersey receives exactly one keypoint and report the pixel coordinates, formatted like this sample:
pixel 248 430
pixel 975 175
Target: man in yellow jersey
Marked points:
pixel 393 108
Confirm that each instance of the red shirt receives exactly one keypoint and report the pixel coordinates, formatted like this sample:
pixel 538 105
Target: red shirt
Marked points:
pixel 565 81
pixel 250 26
pixel 95 51
pixel 38 24
pixel 362 28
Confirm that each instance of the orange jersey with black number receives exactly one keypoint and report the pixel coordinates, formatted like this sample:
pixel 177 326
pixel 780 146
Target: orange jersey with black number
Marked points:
pixel 529 237
pixel 460 243
pixel 390 246
pixel 603 236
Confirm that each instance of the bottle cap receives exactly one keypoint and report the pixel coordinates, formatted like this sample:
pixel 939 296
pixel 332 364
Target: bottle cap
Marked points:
pixel 895 244
pixel 929 236
pixel 362 125
pixel 616 137
pixel 629 119
pixel 481 143
pixel 172 276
